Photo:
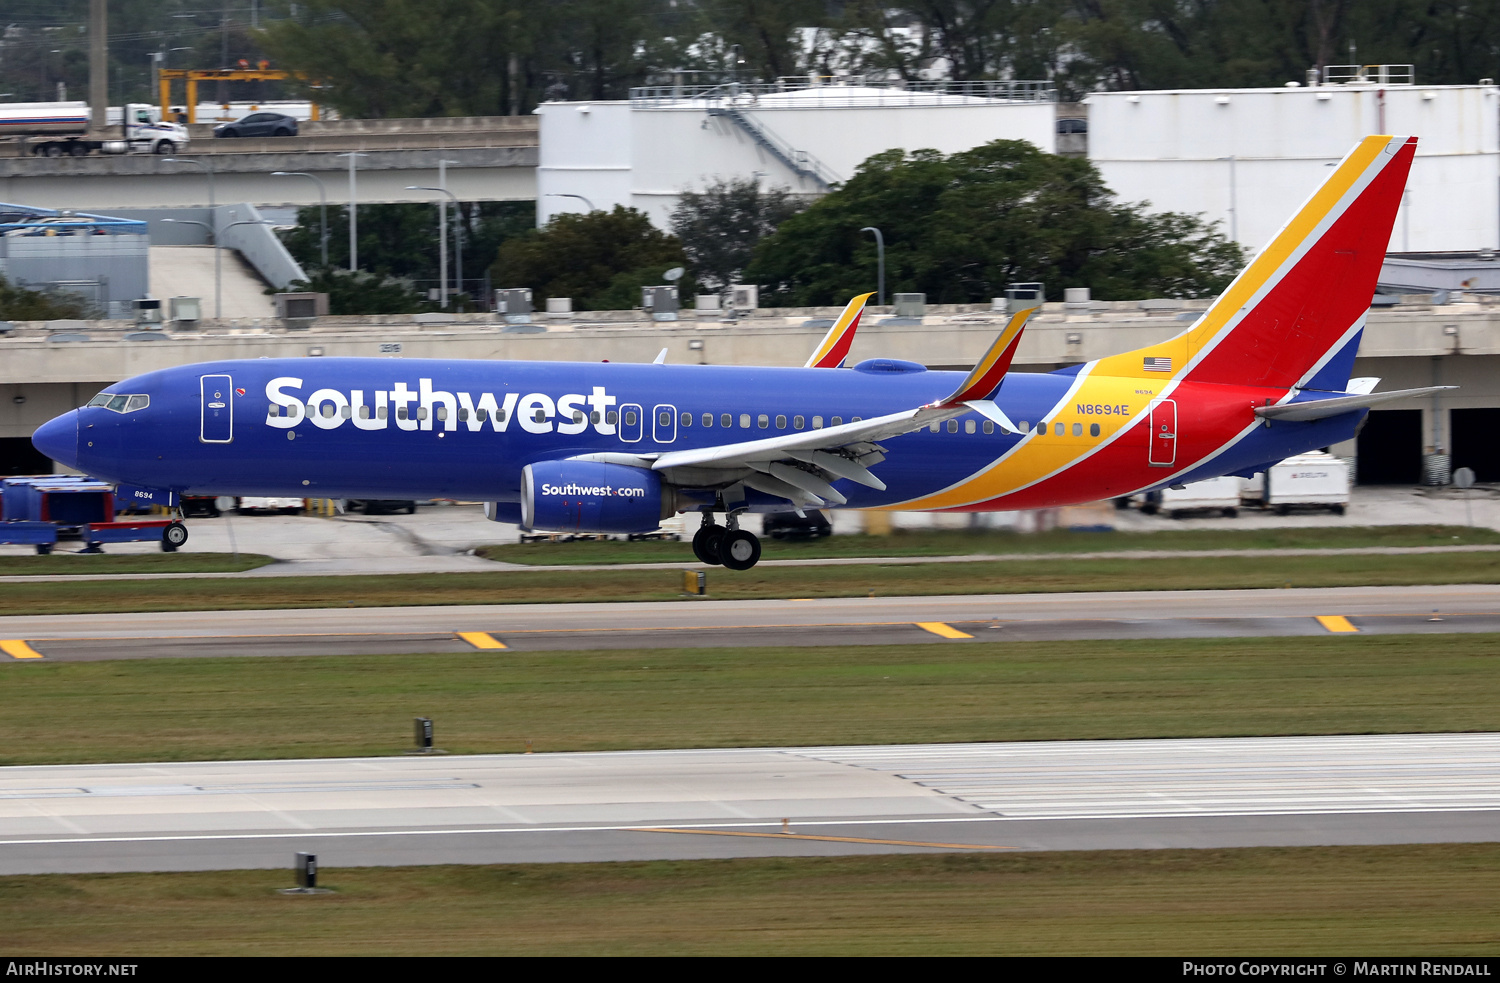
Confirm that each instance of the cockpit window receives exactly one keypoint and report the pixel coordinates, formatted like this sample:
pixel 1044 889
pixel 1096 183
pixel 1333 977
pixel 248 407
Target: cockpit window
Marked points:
pixel 121 403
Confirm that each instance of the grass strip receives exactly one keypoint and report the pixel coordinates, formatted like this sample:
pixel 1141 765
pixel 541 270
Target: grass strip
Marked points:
pixel 494 702
pixel 1370 900
pixel 968 542
pixel 54 564
pixel 887 580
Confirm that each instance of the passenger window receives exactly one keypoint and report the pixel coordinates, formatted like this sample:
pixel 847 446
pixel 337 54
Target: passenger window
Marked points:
pixel 664 418
pixel 480 415
pixel 968 426
pixel 612 419
pixel 1093 429
pixel 421 412
pixel 138 403
pixel 442 412
pixel 989 426
pixel 798 422
pixel 1025 426
pixel 744 421
pixel 345 412
pixel 330 411
pixel 856 419
pixel 630 417
pixel 1078 430
pixel 953 426
pixel 687 419
pixel 837 421
pixel 578 416
pixel 463 413
pixel 763 421
pixel 935 427
pixel 708 419
pixel 817 423
pixel 780 422
pixel 726 421
pixel 1058 429
pixel 381 411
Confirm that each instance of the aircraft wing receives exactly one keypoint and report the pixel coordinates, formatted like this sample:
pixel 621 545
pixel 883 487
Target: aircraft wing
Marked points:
pixel 801 467
pixel 1318 409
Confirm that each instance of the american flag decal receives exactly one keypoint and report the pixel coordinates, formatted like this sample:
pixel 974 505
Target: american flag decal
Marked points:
pixel 1156 364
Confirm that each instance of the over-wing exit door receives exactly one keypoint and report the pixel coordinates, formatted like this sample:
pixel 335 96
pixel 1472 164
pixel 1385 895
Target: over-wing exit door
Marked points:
pixel 217 392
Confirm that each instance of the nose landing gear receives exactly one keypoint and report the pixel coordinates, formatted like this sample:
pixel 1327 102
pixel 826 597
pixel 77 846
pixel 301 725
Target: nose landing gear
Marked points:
pixel 730 547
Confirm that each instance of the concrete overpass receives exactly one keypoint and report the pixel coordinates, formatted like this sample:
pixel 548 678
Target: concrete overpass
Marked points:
pixel 491 158
pixel 49 367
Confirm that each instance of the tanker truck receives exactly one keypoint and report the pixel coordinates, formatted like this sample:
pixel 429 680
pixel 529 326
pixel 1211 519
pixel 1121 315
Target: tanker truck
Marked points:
pixel 61 129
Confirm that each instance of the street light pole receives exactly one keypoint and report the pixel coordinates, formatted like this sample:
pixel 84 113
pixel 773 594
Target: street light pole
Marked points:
pixel 443 242
pixel 213 240
pixel 353 226
pixel 323 206
pixel 558 194
pixel 880 261
pixel 458 223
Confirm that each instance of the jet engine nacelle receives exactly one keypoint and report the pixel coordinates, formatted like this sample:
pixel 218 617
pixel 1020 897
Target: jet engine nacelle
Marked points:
pixel 587 496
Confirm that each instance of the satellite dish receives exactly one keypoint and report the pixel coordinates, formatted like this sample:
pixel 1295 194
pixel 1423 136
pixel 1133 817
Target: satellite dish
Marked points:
pixel 674 274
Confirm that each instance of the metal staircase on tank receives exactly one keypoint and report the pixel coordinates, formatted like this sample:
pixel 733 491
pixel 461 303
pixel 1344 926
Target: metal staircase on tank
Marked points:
pixel 800 162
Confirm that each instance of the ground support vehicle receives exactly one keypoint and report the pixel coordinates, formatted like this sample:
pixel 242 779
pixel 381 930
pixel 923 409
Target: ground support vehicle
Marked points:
pixel 43 535
pixel 1213 494
pixel 43 509
pixel 169 532
pixel 1313 480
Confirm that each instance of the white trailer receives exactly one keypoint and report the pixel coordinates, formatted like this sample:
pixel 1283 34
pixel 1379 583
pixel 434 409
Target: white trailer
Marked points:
pixel 1316 479
pixel 1211 494
pixel 61 129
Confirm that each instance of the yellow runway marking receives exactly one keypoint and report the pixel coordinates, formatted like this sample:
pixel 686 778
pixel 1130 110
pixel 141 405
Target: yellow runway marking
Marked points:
pixel 18 649
pixel 1335 622
pixel 943 629
pixel 829 839
pixel 481 639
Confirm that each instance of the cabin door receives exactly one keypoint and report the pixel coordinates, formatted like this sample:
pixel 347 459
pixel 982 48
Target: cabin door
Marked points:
pixel 217 424
pixel 1163 448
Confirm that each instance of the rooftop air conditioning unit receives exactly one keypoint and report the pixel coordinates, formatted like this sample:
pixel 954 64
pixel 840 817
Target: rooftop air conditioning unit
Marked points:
pixel 301 306
pixel 911 305
pixel 744 296
pixel 660 302
pixel 147 311
pixel 514 304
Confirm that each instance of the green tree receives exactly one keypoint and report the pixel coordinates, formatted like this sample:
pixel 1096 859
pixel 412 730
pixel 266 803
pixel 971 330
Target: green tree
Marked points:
pixel 363 292
pixel 960 228
pixel 720 225
pixel 20 304
pixel 600 259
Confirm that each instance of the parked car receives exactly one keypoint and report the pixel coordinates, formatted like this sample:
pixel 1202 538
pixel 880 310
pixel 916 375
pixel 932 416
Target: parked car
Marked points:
pixel 259 125
pixel 790 525
pixel 383 506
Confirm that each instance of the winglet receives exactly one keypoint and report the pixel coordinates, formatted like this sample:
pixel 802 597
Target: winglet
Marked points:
pixel 991 369
pixel 834 347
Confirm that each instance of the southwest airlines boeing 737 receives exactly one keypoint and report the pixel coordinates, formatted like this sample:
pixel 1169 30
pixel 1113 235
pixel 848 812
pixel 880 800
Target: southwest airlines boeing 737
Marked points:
pixel 616 448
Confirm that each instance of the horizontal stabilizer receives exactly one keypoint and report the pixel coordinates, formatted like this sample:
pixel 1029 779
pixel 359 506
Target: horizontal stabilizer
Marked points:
pixel 1320 409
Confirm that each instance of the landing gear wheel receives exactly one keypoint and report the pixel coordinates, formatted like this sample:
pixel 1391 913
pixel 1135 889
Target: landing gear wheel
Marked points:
pixel 707 544
pixel 740 549
pixel 173 536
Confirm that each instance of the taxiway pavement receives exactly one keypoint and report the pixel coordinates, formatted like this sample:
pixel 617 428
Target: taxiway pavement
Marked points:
pixel 692 623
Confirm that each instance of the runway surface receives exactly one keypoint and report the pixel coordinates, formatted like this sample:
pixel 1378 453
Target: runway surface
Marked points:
pixel 984 798
pixel 691 623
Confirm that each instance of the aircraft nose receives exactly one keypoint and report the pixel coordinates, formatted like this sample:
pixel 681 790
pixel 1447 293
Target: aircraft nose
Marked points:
pixel 58 439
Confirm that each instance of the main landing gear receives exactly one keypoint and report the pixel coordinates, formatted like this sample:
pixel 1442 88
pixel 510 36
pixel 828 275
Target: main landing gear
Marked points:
pixel 728 546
